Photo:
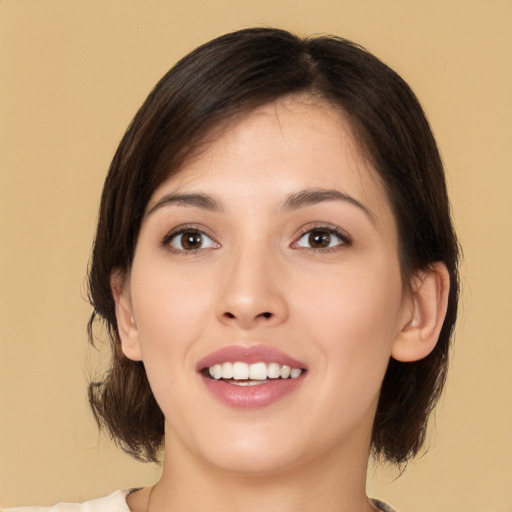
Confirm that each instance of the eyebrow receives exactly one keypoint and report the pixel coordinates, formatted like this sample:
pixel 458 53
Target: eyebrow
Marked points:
pixel 312 196
pixel 203 201
pixel 295 201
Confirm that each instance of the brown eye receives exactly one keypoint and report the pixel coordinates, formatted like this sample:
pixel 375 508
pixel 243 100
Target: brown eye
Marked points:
pixel 322 238
pixel 319 239
pixel 191 240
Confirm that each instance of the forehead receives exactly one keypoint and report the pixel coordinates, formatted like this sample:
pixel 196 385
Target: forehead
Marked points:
pixel 294 142
pixel 285 122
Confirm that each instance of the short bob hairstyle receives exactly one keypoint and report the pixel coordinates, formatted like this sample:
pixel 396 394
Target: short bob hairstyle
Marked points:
pixel 233 75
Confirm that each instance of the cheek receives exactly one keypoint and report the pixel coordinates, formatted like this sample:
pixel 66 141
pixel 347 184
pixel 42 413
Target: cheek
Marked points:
pixel 170 310
pixel 354 318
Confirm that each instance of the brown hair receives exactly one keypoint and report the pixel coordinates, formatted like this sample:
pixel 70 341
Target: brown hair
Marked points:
pixel 233 74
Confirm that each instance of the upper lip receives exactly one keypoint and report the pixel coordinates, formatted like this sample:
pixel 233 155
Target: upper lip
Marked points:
pixel 249 354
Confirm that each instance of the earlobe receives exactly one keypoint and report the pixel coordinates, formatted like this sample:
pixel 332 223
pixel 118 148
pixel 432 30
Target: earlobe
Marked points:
pixel 429 301
pixel 126 325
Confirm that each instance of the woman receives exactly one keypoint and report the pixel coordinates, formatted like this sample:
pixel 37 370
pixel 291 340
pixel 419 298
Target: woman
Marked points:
pixel 277 269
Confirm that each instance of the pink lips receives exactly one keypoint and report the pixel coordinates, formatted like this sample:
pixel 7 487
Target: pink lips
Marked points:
pixel 250 397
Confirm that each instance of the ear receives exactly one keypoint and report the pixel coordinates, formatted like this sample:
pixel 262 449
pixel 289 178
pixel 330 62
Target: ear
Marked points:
pixel 424 319
pixel 126 325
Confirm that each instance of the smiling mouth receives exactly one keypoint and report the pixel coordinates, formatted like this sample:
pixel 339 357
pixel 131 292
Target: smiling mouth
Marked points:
pixel 244 374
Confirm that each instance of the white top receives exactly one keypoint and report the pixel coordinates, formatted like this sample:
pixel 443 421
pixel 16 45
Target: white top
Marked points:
pixel 116 502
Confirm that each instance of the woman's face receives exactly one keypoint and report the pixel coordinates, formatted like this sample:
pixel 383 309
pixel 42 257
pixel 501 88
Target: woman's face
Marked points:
pixel 275 245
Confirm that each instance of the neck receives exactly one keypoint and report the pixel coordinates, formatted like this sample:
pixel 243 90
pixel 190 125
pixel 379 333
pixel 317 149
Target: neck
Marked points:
pixel 334 482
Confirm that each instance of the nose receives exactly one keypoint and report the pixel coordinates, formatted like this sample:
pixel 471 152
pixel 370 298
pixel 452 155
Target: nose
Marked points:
pixel 252 290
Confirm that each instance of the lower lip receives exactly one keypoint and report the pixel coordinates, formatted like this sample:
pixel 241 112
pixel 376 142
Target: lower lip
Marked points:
pixel 252 397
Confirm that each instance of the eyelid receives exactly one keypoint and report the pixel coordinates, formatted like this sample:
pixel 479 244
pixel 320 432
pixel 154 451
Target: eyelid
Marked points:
pixel 346 239
pixel 185 228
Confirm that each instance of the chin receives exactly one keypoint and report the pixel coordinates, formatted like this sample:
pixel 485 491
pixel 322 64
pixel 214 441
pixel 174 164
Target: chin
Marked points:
pixel 255 463
pixel 249 452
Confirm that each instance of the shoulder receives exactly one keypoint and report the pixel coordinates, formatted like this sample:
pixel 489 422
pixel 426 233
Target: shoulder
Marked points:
pixel 115 502
pixel 383 507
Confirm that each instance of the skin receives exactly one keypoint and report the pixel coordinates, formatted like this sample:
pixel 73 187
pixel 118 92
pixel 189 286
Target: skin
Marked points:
pixel 255 279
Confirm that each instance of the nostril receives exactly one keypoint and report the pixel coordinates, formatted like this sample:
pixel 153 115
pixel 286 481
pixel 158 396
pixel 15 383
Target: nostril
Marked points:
pixel 265 314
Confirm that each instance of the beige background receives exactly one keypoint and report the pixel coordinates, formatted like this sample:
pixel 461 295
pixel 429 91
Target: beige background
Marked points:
pixel 73 72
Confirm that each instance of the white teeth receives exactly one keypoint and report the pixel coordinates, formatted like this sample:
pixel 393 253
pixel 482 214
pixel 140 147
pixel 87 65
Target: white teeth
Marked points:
pixel 295 372
pixel 252 372
pixel 245 383
pixel 273 371
pixel 227 370
pixel 285 371
pixel 240 371
pixel 217 371
pixel 258 371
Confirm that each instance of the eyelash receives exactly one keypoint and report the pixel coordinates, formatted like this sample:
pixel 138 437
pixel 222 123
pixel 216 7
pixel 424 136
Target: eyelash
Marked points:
pixel 173 234
pixel 345 239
